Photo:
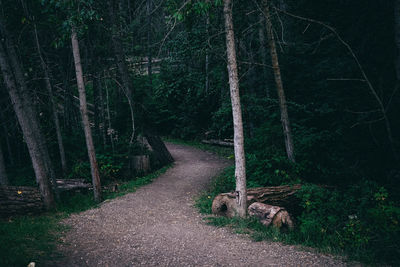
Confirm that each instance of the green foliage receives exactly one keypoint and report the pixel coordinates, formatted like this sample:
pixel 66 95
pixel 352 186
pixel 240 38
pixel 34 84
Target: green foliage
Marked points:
pixel 26 239
pixel 359 220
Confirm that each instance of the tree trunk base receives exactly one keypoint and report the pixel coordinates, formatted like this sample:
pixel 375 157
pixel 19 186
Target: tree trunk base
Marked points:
pixel 141 164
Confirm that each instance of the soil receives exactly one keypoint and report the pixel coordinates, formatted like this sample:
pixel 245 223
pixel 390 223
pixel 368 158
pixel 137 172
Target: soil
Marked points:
pixel 158 225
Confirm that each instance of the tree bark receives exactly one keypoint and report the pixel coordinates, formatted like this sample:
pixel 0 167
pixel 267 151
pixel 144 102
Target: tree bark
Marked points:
pixel 5 130
pixel 26 117
pixel 160 151
pixel 207 63
pixel 121 64
pixel 85 118
pixel 279 86
pixel 3 173
pixel 149 51
pixel 102 115
pixel 240 161
pixel 282 196
pixel 261 37
pixel 397 36
pixel 52 102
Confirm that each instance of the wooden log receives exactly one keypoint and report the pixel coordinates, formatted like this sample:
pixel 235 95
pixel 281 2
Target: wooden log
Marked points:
pixel 271 215
pixel 72 185
pixel 20 200
pixel 217 143
pixel 141 164
pixel 283 196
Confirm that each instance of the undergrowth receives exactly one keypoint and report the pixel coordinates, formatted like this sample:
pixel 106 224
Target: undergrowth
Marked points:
pixel 25 239
pixel 359 221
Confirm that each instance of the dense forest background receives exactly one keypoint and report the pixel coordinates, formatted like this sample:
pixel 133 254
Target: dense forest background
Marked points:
pixel 160 67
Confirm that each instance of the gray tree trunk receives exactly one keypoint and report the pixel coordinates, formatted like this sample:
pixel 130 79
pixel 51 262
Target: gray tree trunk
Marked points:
pixel 26 118
pixel 85 118
pixel 261 37
pixel 53 105
pixel 397 35
pixel 279 86
pixel 121 64
pixel 3 173
pixel 149 28
pixel 207 63
pixel 238 139
pixel 5 130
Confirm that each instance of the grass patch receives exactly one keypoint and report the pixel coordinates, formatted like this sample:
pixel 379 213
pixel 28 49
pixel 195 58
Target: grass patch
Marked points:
pixel 34 238
pixel 25 239
pixel 226 152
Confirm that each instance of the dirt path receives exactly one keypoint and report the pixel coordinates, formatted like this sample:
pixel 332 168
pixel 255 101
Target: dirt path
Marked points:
pixel 158 226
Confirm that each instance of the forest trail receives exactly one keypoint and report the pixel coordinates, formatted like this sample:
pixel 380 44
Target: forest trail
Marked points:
pixel 159 226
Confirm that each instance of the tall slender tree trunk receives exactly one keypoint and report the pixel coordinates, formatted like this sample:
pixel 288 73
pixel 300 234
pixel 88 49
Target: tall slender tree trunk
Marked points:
pixel 397 36
pixel 121 64
pixel 149 51
pixel 207 63
pixel 279 86
pixel 5 130
pixel 261 37
pixel 52 103
pixel 3 173
pixel 26 119
pixel 85 118
pixel 240 161
pixel 102 115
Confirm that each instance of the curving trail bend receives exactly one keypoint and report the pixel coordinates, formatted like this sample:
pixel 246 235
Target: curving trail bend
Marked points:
pixel 158 226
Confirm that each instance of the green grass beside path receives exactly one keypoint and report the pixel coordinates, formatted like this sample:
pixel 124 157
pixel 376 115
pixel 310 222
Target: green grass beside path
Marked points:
pixel 25 239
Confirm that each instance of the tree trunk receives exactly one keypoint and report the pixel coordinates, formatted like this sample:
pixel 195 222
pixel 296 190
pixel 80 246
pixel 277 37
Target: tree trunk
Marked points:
pixel 26 118
pixel 160 151
pixel 85 118
pixel 121 64
pixel 149 28
pixel 397 36
pixel 279 86
pixel 53 104
pixel 261 37
pixel 207 63
pixel 240 163
pixel 5 130
pixel 3 173
pixel 102 114
pixel 282 196
pixel 141 164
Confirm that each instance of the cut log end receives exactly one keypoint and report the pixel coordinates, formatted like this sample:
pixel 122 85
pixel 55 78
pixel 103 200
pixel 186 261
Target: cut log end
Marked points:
pixel 269 215
pixel 223 206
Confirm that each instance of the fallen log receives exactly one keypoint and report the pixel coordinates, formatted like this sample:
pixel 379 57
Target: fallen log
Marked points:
pixel 268 215
pixel 20 200
pixel 283 196
pixel 217 143
pixel 72 185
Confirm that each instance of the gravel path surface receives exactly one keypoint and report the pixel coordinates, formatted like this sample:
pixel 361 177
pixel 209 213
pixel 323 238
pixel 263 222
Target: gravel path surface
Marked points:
pixel 158 226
